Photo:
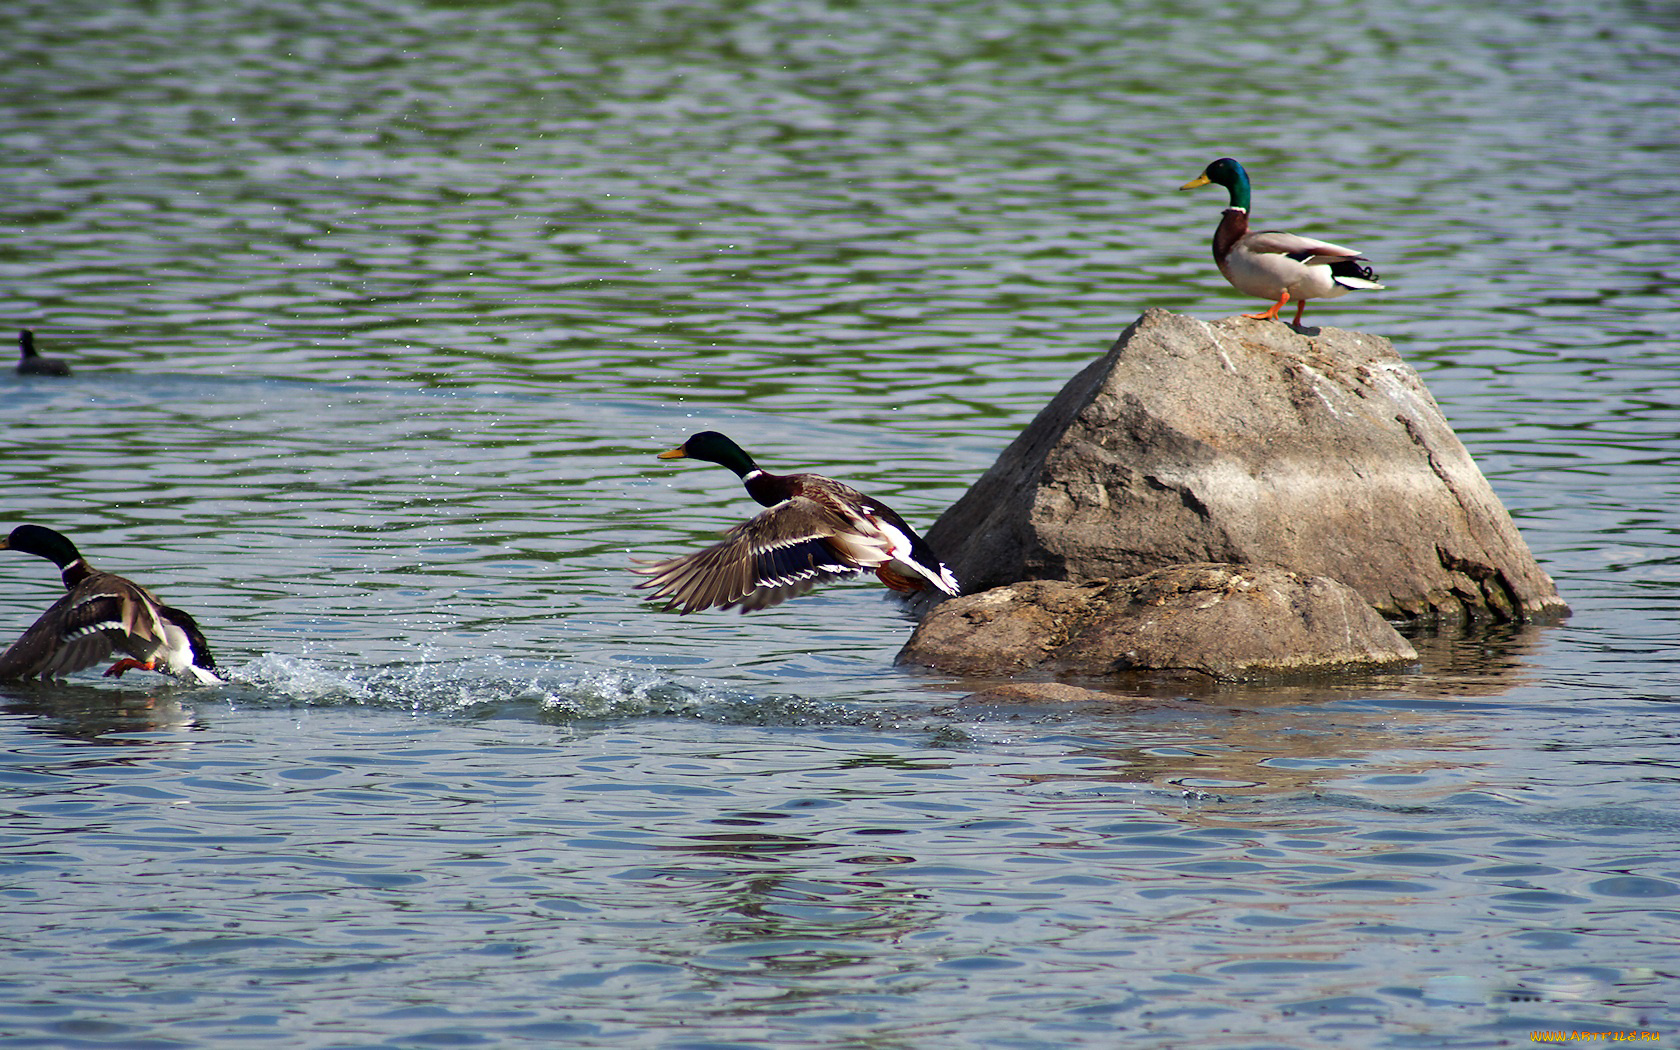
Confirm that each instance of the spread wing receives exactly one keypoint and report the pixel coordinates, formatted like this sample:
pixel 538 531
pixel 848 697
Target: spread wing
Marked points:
pixel 102 615
pixel 779 554
pixel 62 642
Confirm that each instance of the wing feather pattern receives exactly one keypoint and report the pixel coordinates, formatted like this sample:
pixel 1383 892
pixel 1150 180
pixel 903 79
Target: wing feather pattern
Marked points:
pixel 101 615
pixel 779 554
pixel 47 649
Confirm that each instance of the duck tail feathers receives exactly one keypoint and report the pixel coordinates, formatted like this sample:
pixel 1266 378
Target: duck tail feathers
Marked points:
pixel 1355 274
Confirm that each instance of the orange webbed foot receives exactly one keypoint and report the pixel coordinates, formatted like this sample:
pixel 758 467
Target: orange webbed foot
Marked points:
pixel 129 664
pixel 1271 315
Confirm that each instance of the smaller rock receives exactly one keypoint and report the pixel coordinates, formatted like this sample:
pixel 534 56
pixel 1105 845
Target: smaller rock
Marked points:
pixel 1061 694
pixel 1231 622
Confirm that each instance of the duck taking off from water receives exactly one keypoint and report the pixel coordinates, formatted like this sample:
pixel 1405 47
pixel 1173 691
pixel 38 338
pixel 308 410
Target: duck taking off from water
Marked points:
pixel 101 614
pixel 816 529
pixel 1272 264
pixel 31 363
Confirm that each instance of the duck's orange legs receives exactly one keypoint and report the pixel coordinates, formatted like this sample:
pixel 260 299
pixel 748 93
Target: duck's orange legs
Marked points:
pixel 1271 315
pixel 128 663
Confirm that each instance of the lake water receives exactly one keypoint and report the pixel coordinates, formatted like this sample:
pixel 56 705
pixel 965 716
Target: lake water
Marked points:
pixel 380 312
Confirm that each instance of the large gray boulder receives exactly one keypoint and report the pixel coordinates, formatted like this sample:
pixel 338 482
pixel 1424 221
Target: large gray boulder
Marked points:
pixel 1227 622
pixel 1251 443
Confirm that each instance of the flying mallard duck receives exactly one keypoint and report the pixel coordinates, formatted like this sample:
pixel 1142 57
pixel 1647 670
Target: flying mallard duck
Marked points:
pixel 102 614
pixel 1272 264
pixel 815 530
pixel 31 363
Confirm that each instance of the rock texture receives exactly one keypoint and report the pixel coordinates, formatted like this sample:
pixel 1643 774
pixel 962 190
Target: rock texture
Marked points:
pixel 1248 442
pixel 1229 622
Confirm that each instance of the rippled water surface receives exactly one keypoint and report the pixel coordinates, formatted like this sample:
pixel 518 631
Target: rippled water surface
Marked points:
pixel 378 313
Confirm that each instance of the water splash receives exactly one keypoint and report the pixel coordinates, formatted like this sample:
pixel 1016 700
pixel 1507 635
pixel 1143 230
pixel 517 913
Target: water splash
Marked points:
pixel 552 692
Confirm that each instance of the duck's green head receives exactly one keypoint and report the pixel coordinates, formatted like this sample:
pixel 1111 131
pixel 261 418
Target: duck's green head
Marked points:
pixel 1227 173
pixel 713 447
pixel 43 543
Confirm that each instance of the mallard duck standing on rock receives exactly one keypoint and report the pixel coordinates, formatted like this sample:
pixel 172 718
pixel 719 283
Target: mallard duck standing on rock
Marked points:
pixel 31 363
pixel 1272 264
pixel 102 614
pixel 816 529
